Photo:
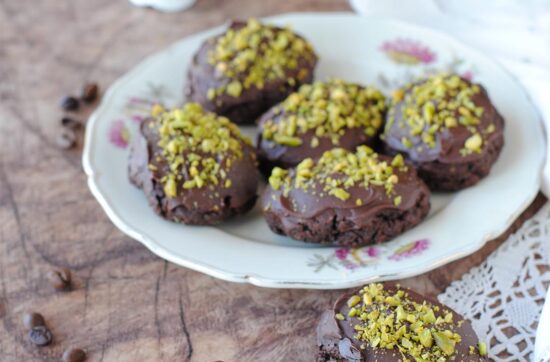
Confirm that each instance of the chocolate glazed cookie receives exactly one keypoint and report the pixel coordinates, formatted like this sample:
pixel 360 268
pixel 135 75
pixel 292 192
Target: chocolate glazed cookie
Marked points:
pixel 384 322
pixel 345 198
pixel 448 128
pixel 317 118
pixel 194 167
pixel 249 68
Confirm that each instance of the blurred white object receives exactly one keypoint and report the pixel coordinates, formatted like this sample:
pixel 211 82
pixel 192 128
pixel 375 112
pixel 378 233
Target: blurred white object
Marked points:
pixel 165 5
pixel 503 297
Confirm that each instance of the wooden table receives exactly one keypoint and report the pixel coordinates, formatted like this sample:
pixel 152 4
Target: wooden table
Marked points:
pixel 127 305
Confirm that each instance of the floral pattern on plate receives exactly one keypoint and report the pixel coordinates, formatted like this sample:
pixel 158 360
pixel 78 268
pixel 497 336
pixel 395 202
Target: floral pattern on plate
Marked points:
pixel 136 109
pixel 354 258
pixel 415 60
pixel 119 134
pixel 408 51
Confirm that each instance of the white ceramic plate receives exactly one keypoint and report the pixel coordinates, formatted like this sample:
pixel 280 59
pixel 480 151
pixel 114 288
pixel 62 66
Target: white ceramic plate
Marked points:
pixel 376 51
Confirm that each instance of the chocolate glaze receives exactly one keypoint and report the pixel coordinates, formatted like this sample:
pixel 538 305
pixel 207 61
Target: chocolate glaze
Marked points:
pixel 207 205
pixel 443 167
pixel 252 102
pixel 327 219
pixel 336 341
pixel 271 154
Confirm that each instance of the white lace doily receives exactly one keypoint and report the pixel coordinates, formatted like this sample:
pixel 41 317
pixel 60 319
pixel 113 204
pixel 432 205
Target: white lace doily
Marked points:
pixel 504 296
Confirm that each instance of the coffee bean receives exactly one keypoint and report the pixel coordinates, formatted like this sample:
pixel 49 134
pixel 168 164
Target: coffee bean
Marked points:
pixel 89 92
pixel 74 355
pixel 59 279
pixel 66 139
pixel 70 123
pixel 31 320
pixel 69 103
pixel 40 335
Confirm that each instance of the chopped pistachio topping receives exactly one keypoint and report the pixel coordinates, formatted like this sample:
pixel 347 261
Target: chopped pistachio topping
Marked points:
pixel 338 170
pixel 434 105
pixel 390 319
pixel 354 300
pixel 328 109
pixel 276 178
pixel 482 348
pixel 256 53
pixel 474 143
pixel 156 110
pixel 397 200
pixel 198 147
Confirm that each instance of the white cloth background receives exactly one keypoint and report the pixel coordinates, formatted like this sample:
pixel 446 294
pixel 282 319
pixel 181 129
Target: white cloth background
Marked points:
pixel 517 34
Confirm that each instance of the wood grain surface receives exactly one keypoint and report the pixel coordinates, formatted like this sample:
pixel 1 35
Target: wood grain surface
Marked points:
pixel 127 304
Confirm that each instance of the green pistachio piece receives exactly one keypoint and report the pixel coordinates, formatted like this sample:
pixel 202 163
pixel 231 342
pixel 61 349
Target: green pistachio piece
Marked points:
pixel 406 142
pixel 482 347
pixel 397 200
pixel 170 187
pixel 288 140
pixel 425 337
pixel 446 344
pixel 234 88
pixel 474 143
pixel 429 317
pixel 340 193
pixel 353 301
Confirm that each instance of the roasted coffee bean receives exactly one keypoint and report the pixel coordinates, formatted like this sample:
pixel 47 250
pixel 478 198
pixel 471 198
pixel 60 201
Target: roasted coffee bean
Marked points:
pixel 89 92
pixel 74 355
pixel 66 139
pixel 70 123
pixel 60 279
pixel 69 103
pixel 40 335
pixel 31 320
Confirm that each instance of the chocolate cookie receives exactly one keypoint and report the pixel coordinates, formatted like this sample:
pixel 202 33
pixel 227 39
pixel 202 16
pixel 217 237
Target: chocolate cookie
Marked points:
pixel 194 167
pixel 345 198
pixel 384 322
pixel 249 68
pixel 317 118
pixel 447 127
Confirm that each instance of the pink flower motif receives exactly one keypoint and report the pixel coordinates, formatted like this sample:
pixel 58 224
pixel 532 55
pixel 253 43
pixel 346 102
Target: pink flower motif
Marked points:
pixel 350 266
pixel 410 249
pixel 372 251
pixel 138 100
pixel 469 75
pixel 138 118
pixel 119 134
pixel 341 253
pixel 408 51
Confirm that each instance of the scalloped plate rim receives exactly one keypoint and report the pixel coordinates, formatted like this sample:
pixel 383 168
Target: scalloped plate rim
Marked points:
pixel 256 278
